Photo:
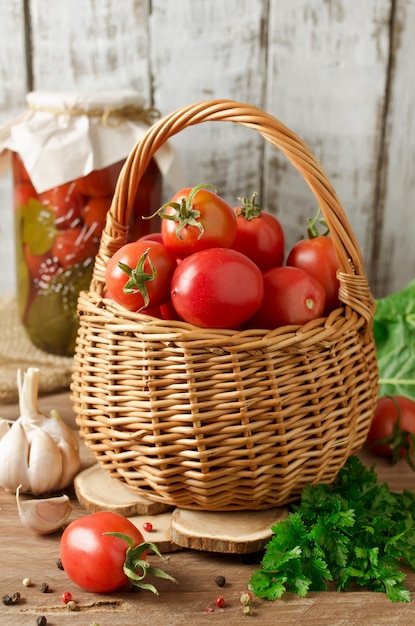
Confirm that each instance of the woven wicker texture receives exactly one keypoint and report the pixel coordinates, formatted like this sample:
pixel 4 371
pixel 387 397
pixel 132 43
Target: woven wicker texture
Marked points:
pixel 218 419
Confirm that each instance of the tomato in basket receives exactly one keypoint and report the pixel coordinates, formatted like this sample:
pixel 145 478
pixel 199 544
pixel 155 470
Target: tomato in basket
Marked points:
pixel 217 288
pixel 317 256
pixel 259 234
pixel 196 219
pixel 291 296
pixel 138 275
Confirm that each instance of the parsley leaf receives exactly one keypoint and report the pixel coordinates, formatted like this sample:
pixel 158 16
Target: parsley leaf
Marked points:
pixel 353 532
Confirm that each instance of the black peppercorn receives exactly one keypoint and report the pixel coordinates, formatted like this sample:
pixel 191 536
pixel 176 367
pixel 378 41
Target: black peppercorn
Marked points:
pixel 59 564
pixel 41 620
pixel 44 587
pixel 220 581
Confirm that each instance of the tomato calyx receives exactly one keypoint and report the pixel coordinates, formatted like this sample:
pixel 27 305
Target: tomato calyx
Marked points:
pixel 312 226
pixel 399 440
pixel 137 568
pixel 138 278
pixel 185 214
pixel 249 209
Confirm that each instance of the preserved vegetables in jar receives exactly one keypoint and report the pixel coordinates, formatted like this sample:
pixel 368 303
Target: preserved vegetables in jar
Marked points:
pixel 57 233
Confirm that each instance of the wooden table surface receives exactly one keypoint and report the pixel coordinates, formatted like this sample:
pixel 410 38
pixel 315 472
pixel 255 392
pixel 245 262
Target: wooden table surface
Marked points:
pixel 24 554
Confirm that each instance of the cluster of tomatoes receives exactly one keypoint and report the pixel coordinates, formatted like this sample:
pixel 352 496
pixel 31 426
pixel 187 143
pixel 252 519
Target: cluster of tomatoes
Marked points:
pixel 217 266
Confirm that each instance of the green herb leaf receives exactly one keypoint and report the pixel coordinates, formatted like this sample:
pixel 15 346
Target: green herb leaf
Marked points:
pixel 354 531
pixel 394 326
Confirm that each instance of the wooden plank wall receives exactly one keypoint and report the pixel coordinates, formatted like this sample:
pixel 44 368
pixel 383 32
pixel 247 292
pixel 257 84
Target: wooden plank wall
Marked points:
pixel 337 72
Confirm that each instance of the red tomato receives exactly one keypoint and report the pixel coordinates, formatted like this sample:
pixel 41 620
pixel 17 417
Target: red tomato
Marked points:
pixel 217 288
pixel 137 259
pixel 19 171
pixel 259 235
pixel 291 296
pixel 94 213
pixel 93 560
pixel 73 246
pixel 100 182
pixel 66 203
pixel 317 256
pixel 199 219
pixel 152 237
pixel 23 192
pixel 385 425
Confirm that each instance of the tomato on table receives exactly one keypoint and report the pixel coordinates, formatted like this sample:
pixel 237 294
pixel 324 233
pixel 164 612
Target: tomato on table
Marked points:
pixel 196 219
pixel 291 296
pixel 217 288
pixel 95 559
pixel 138 275
pixel 392 430
pixel 259 235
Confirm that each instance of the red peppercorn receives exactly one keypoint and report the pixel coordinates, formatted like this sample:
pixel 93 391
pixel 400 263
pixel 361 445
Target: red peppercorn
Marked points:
pixel 220 602
pixel 66 597
pixel 148 526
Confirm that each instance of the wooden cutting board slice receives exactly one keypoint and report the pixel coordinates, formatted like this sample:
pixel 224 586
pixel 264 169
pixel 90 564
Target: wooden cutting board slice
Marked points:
pixel 96 490
pixel 235 532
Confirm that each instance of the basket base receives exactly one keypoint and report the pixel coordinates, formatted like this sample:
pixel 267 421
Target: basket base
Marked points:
pixel 232 532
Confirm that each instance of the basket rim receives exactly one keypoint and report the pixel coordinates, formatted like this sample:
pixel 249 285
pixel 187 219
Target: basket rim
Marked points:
pixel 354 287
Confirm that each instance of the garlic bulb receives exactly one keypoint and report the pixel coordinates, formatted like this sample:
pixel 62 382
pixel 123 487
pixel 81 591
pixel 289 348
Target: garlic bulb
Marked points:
pixel 39 453
pixel 43 516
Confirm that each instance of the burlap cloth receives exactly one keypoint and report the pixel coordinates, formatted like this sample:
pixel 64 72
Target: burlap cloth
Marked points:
pixel 17 351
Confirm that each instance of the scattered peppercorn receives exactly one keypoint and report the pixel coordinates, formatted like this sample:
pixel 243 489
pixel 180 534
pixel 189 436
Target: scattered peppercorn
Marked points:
pixel 71 605
pixel 44 588
pixel 8 600
pixel 26 582
pixel 148 527
pixel 246 598
pixel 66 597
pixel 247 610
pixel 41 620
pixel 220 602
pixel 208 609
pixel 59 564
pixel 220 581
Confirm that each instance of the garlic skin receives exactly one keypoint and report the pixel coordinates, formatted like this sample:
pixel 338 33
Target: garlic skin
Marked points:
pixel 44 516
pixel 38 452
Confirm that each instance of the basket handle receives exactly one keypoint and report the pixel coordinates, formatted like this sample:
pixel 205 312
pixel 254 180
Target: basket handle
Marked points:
pixel 354 289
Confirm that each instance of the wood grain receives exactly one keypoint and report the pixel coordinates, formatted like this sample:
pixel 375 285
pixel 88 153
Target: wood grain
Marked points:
pixel 24 554
pixel 338 72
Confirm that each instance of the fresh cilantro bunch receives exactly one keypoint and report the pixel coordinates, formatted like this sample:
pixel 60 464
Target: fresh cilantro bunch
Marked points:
pixel 354 531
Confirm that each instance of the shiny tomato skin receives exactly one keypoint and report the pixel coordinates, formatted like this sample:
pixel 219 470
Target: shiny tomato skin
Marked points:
pixel 94 213
pixel 261 239
pixel 66 203
pixel 93 560
pixel 158 289
pixel 384 420
pixel 317 256
pixel 216 216
pixel 99 182
pixel 291 296
pixel 73 245
pixel 152 237
pixel 217 288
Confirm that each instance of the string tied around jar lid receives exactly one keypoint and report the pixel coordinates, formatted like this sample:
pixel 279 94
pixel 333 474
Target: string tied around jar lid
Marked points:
pixel 112 117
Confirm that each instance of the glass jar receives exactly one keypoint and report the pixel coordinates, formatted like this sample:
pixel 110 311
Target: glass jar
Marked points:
pixel 57 233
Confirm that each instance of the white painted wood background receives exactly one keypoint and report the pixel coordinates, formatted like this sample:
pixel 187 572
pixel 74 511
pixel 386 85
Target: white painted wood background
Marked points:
pixel 340 73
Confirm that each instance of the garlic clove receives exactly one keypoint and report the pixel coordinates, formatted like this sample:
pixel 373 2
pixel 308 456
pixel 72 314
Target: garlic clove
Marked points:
pixel 71 463
pixel 45 463
pixel 4 427
pixel 43 516
pixel 14 453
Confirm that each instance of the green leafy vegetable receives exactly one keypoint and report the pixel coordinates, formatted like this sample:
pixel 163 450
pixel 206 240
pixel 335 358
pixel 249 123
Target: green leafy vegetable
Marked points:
pixel 394 332
pixel 352 532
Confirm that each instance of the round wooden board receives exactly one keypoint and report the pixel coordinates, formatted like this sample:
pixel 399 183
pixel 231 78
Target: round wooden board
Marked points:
pixel 96 490
pixel 235 532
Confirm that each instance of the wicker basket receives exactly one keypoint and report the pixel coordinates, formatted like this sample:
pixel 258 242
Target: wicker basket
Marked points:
pixel 217 419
